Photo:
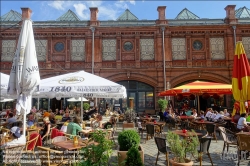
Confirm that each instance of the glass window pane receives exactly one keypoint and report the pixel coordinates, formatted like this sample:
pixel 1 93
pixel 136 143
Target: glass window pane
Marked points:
pixel 144 86
pixel 149 99
pixel 141 100
pixel 132 84
pixel 124 83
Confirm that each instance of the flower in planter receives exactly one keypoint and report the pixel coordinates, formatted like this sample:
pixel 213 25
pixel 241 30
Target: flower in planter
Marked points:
pixel 129 115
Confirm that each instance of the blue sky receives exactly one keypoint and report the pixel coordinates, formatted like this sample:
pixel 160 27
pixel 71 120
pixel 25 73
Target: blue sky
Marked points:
pixel 111 10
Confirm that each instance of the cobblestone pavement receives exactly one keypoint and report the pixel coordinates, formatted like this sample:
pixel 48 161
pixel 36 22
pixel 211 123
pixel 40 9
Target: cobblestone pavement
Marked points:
pixel 150 153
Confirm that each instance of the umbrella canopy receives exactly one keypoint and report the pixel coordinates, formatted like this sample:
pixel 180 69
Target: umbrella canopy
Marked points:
pixel 77 99
pixel 241 78
pixel 199 87
pixel 80 84
pixel 24 75
pixel 4 80
pixel 6 100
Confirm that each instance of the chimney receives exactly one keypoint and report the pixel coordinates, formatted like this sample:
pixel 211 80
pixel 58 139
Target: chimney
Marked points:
pixel 161 12
pixel 93 16
pixel 230 14
pixel 26 13
pixel 161 15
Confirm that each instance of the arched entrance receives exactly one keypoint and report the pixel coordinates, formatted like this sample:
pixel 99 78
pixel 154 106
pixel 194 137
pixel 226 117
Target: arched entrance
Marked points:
pixel 142 93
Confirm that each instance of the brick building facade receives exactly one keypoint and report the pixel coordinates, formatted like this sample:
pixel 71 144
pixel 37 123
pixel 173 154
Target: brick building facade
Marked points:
pixel 134 52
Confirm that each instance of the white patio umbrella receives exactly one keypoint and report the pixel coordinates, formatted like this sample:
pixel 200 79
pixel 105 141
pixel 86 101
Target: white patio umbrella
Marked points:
pixel 24 75
pixel 4 80
pixel 80 84
pixel 73 99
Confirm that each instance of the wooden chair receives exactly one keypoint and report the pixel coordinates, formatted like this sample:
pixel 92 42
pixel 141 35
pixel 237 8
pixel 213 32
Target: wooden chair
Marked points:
pixel 31 144
pixel 229 138
pixel 211 130
pixel 49 135
pixel 12 154
pixel 243 145
pixel 46 160
pixel 150 131
pixel 162 148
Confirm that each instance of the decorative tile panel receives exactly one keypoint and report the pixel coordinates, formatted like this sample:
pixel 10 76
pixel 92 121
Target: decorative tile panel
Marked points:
pixel 77 50
pixel 246 44
pixel 8 50
pixel 217 48
pixel 179 48
pixel 147 49
pixel 109 50
pixel 41 49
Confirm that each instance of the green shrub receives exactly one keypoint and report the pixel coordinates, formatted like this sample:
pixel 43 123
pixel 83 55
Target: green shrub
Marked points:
pixel 128 139
pixel 85 106
pixel 96 155
pixel 162 104
pixel 133 157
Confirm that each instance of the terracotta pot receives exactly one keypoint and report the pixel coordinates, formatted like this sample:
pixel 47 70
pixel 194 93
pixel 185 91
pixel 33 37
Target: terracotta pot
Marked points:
pixel 187 163
pixel 122 155
pixel 128 125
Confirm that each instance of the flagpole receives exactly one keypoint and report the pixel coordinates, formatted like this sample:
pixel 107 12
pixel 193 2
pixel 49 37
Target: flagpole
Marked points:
pixel 81 108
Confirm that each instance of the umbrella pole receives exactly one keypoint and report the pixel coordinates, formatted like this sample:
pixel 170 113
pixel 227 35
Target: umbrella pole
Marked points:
pixel 96 101
pixel 24 123
pixel 38 103
pixel 198 97
pixel 81 109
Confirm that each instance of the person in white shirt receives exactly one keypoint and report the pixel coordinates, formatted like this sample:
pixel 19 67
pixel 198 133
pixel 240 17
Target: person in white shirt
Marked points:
pixel 194 113
pixel 17 138
pixel 242 123
pixel 218 116
pixel 209 113
pixel 226 113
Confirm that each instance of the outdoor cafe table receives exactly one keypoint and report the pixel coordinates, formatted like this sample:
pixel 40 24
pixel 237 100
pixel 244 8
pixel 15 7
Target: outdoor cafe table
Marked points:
pixel 160 124
pixel 187 117
pixel 187 134
pixel 201 124
pixel 69 145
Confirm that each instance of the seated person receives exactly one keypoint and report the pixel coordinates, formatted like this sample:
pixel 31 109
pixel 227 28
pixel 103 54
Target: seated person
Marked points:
pixel 46 130
pixel 52 118
pixel 219 116
pixel 202 115
pixel 97 123
pixel 16 137
pixel 226 114
pixel 208 114
pixel 110 123
pixel 242 123
pixel 66 117
pixel 9 121
pixel 46 114
pixel 194 113
pixel 31 119
pixel 74 127
pixel 188 112
pixel 213 115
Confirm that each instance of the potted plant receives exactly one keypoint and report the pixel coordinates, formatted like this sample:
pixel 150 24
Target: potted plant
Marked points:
pixel 96 154
pixel 128 139
pixel 129 117
pixel 86 106
pixel 180 147
pixel 162 104
pixel 133 158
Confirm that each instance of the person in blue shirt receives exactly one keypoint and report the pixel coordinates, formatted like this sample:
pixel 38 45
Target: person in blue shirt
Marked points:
pixel 165 114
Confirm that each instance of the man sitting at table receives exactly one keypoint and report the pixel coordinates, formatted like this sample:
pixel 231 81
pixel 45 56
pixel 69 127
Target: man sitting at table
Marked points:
pixel 208 114
pixel 66 117
pixel 16 137
pixel 226 114
pixel 31 119
pixel 74 127
pixel 110 123
pixel 219 117
pixel 242 123
pixel 10 120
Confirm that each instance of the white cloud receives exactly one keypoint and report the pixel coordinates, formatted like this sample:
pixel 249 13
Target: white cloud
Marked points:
pixel 94 3
pixel 82 10
pixel 108 12
pixel 57 5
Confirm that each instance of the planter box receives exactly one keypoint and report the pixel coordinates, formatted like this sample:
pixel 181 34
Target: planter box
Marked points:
pixel 122 155
pixel 127 126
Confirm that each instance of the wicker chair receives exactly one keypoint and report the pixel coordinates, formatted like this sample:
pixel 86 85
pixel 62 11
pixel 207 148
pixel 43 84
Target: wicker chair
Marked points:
pixel 46 160
pixel 162 148
pixel 229 138
pixel 9 151
pixel 31 144
pixel 204 149
pixel 243 145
